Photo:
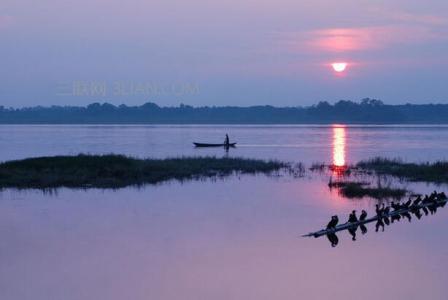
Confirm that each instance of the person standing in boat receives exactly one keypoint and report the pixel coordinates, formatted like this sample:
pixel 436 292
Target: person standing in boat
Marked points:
pixel 227 141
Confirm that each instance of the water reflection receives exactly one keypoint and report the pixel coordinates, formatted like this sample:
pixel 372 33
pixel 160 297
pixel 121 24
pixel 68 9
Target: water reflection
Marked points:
pixel 384 217
pixel 339 152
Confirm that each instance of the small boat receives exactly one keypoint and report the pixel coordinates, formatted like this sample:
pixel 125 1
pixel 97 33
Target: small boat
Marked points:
pixel 202 145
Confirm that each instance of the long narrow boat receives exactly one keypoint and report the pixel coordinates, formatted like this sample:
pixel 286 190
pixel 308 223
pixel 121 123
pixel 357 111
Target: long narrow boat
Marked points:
pixel 347 225
pixel 200 145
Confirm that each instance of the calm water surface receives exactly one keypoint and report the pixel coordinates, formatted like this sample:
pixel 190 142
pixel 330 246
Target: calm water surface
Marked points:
pixel 237 238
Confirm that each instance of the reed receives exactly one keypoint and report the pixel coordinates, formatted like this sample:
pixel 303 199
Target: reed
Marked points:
pixel 115 171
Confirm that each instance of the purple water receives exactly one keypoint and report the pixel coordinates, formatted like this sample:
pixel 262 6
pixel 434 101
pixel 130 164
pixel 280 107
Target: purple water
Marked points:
pixel 237 238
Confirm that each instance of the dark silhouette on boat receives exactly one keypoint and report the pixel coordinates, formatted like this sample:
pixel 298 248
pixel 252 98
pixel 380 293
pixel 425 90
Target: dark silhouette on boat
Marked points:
pixel 202 145
pixel 227 144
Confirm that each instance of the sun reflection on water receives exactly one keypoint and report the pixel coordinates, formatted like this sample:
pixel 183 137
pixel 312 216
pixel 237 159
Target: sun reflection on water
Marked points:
pixel 339 140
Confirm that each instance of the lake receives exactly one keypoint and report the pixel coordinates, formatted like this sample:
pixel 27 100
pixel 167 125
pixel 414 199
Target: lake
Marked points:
pixel 234 238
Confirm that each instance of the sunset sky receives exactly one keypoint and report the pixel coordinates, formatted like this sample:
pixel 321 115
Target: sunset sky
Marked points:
pixel 234 52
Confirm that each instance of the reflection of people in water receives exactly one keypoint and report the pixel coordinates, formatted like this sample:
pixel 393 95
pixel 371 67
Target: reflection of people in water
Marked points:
pixel 395 218
pixel 363 229
pixel 407 216
pixel 385 216
pixel 226 140
pixel 417 213
pixel 333 238
pixel 352 231
pixel 379 224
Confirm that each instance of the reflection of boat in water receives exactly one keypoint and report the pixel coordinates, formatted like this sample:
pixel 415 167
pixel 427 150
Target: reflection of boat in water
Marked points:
pixel 415 209
pixel 203 145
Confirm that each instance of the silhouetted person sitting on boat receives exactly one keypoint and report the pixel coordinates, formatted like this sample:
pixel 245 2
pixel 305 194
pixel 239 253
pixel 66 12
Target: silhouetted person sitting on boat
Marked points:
pixel 226 140
pixel 352 217
pixel 363 215
pixel 333 222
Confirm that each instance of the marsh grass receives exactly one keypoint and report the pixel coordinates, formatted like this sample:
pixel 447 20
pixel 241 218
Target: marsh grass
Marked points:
pixel 360 189
pixel 115 171
pixel 428 172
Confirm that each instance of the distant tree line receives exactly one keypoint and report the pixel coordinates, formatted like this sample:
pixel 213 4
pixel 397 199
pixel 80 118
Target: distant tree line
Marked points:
pixel 368 110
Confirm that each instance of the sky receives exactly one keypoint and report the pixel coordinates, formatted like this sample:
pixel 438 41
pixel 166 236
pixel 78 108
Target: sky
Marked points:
pixel 234 52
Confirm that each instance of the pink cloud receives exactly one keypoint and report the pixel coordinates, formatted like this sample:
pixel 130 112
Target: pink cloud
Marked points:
pixel 338 40
pixel 423 19
pixel 410 18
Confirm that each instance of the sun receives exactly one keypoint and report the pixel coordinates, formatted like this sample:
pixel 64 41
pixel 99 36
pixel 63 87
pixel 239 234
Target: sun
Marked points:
pixel 339 66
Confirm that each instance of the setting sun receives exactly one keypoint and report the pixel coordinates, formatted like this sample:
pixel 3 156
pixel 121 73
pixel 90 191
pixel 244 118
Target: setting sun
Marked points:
pixel 339 66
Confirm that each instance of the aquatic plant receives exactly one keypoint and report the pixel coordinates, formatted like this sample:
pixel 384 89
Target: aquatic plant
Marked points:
pixel 113 171
pixel 429 172
pixel 359 189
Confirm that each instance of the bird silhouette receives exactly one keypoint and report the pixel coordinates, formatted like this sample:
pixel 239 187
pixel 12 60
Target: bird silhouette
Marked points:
pixel 417 201
pixel 333 222
pixel 407 204
pixel 378 210
pixel 352 217
pixel 395 206
pixel 363 215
